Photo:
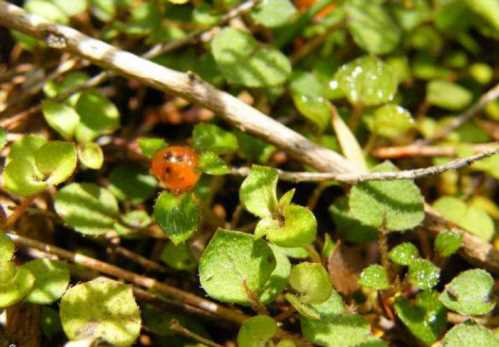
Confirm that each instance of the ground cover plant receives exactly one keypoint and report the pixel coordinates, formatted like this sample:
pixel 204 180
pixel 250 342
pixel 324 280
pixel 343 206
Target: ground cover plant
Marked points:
pixel 249 173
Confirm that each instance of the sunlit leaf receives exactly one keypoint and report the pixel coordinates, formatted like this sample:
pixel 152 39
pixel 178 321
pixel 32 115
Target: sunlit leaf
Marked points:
pixel 263 66
pixel 86 207
pixel 101 308
pixel 233 263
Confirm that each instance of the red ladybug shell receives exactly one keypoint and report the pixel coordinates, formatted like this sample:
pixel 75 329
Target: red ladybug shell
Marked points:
pixel 176 168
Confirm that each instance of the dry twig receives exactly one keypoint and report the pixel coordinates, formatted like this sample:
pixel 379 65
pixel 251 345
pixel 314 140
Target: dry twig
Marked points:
pixel 374 176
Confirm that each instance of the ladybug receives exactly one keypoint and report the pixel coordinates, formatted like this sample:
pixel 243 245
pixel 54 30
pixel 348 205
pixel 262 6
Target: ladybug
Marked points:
pixel 176 168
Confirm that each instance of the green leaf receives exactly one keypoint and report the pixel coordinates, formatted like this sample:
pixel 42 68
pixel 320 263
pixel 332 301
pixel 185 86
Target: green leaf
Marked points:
pixel 273 13
pixel 394 205
pixel 409 17
pixel 448 243
pixel 209 137
pixel 258 191
pixel 391 121
pixel 91 155
pixel 336 327
pixel 374 277
pixel 278 279
pixel 350 228
pixel 212 164
pixel 423 274
pixel 150 145
pixel 71 9
pixel 309 98
pixel 305 310
pixel 15 284
pixel 470 334
pixel 447 95
pixel 178 257
pixel 53 88
pixel 132 223
pixel 98 116
pixel 286 198
pixel 25 148
pixel 88 208
pixel 7 247
pixel 57 161
pixel 471 218
pixel 330 308
pixel 481 72
pixel 48 10
pixel 253 149
pixel 256 331
pixel 263 66
pixel 232 262
pixel 178 216
pixel 51 280
pixel 131 183
pixel 3 138
pixel 425 318
pixel 487 9
pixel 61 117
pixel 312 281
pixel 101 308
pixel 20 177
pixel 367 81
pixel 295 227
pixel 372 27
pixel 470 293
pixel 145 18
pixel 404 254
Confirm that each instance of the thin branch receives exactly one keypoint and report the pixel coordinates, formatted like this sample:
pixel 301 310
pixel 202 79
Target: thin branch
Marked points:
pixel 397 152
pixel 223 312
pixel 374 176
pixel 464 117
pixel 185 85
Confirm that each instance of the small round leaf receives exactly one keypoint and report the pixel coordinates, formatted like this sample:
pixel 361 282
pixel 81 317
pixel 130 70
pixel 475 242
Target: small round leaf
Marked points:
pixel 367 81
pixel 20 177
pixel 209 137
pixel 132 183
pixel 394 205
pixel 101 308
pixel 178 216
pixel 233 263
pixel 423 274
pixel 88 208
pixel 312 281
pixel 61 117
pixel 98 116
pixel 7 247
pixel 51 280
pixel 56 160
pixel 256 331
pixel 258 191
pixel 374 277
pixel 17 287
pixel 90 155
pixel 230 47
pixel 404 254
pixel 470 293
pixel 297 228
